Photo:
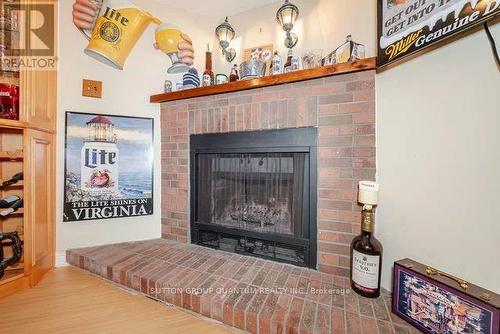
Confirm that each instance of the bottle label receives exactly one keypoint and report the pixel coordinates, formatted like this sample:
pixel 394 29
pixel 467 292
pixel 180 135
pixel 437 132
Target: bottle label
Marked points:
pixel 276 66
pixel 207 80
pixel 365 270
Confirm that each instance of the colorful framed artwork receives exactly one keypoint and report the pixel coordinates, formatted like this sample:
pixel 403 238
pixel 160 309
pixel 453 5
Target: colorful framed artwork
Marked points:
pixel 437 303
pixel 108 167
pixel 408 26
pixel 263 53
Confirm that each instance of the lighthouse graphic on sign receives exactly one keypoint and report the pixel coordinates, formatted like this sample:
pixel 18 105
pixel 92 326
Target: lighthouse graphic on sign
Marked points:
pixel 100 158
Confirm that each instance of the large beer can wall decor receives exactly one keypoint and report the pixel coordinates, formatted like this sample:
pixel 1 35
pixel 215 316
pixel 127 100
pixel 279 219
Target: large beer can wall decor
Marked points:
pixel 108 167
pixel 408 26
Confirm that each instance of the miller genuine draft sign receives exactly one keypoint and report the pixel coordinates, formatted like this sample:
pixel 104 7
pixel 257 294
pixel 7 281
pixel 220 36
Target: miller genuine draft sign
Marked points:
pixel 108 167
pixel 407 26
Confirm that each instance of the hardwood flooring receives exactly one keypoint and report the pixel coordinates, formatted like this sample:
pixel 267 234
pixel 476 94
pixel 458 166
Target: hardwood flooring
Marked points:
pixel 69 300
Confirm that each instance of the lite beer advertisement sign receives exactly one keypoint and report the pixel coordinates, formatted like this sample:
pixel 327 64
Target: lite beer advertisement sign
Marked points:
pixel 407 26
pixel 108 167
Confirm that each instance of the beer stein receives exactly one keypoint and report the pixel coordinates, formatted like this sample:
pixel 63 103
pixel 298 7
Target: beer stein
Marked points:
pixel 10 240
pixel 118 26
pixel 168 38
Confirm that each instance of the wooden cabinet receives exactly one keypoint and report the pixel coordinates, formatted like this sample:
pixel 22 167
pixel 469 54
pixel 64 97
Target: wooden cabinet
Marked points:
pixel 38 103
pixel 32 152
pixel 28 145
pixel 39 212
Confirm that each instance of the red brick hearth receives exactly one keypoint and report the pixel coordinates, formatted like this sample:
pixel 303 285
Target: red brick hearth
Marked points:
pixel 342 107
pixel 252 294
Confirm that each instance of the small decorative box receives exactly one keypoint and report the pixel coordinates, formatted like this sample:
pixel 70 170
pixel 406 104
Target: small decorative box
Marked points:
pixel 436 302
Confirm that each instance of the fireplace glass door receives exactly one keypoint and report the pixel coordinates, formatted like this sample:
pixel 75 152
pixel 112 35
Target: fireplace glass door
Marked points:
pixel 254 193
pixel 260 192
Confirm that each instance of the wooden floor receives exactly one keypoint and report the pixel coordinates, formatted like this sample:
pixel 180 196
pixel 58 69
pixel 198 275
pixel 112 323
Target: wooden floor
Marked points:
pixel 69 300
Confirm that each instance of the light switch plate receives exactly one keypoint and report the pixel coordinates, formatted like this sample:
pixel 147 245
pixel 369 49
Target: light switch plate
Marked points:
pixel 92 88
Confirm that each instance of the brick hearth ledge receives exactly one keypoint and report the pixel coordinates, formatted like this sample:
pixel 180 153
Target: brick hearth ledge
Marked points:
pixel 255 295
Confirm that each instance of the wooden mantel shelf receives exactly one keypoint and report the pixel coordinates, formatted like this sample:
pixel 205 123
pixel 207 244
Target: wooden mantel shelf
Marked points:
pixel 320 72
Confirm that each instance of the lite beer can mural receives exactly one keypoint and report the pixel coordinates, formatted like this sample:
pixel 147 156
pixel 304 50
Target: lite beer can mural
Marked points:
pixel 108 167
pixel 408 26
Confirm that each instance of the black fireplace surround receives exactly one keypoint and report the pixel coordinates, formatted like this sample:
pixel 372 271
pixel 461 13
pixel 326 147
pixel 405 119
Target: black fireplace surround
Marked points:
pixel 255 193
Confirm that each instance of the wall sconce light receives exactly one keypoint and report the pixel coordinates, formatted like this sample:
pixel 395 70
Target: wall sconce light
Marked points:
pixel 286 16
pixel 225 33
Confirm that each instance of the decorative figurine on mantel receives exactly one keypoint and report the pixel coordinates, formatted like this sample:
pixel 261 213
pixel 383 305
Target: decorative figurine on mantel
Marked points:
pixel 348 51
pixel 167 88
pixel 191 79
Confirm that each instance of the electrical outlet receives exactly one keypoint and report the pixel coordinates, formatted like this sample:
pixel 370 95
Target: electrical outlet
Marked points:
pixel 92 88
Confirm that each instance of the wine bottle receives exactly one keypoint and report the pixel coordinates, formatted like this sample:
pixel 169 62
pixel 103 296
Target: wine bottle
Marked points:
pixel 8 201
pixel 234 74
pixel 276 64
pixel 366 250
pixel 13 180
pixel 288 65
pixel 13 208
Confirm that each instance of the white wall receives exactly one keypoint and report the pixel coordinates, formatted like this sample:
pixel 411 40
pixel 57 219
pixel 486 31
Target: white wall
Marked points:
pixel 437 137
pixel 322 24
pixel 124 93
pixel 438 141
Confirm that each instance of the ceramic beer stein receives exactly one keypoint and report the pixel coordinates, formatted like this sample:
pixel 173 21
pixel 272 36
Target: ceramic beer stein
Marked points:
pixel 116 30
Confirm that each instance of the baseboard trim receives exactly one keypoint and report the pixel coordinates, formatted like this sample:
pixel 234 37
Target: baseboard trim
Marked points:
pixel 61 259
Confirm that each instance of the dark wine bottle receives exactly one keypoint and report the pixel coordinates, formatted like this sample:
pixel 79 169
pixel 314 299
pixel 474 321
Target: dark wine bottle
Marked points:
pixel 366 250
pixel 13 180
pixel 13 208
pixel 234 76
pixel 8 201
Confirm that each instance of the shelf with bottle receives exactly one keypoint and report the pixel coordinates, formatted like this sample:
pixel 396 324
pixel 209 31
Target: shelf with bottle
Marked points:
pixel 271 80
pixel 12 155
pixel 11 3
pixel 12 275
pixel 9 77
pixel 12 260
pixel 11 227
pixel 12 124
pixel 17 185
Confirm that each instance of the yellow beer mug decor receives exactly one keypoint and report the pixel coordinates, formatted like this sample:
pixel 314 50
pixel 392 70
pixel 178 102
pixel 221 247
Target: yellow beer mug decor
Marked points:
pixel 118 27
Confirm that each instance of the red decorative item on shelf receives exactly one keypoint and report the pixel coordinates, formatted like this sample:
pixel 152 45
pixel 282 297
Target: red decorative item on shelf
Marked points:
pixel 9 101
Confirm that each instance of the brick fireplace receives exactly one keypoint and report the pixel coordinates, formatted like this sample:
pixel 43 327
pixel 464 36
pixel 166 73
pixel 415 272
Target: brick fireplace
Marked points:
pixel 341 107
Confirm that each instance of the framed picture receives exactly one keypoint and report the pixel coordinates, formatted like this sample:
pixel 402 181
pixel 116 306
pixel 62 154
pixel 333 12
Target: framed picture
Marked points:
pixel 435 302
pixel 264 53
pixel 408 26
pixel 108 169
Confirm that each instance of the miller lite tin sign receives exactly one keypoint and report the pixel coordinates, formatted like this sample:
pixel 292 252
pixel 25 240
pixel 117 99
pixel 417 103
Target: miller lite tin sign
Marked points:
pixel 109 167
